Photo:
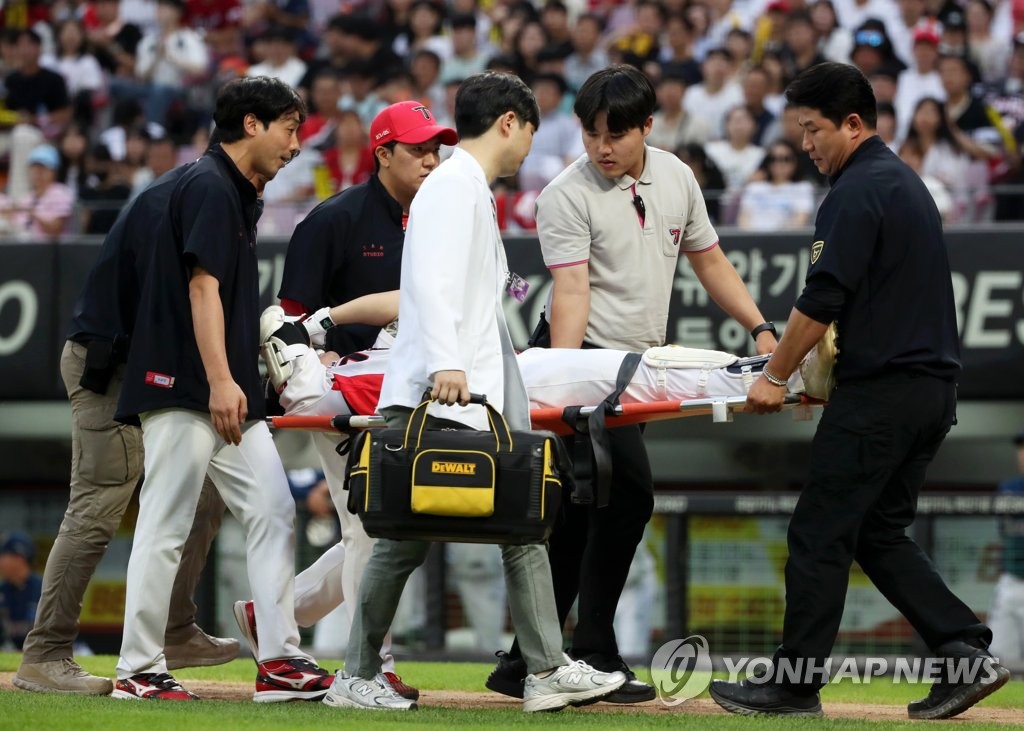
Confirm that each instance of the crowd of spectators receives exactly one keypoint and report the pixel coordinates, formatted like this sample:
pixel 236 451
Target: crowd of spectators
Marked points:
pixel 101 97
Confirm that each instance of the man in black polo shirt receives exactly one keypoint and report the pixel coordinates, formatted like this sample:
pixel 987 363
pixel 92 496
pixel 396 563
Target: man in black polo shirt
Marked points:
pixel 106 467
pixel 879 269
pixel 349 246
pixel 192 381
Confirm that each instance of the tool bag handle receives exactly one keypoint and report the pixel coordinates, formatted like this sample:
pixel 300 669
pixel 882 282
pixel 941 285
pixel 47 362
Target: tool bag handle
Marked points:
pixel 499 427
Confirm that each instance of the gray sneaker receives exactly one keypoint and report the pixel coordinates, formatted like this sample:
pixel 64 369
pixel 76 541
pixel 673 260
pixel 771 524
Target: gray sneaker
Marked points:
pixel 348 691
pixel 201 650
pixel 60 676
pixel 575 684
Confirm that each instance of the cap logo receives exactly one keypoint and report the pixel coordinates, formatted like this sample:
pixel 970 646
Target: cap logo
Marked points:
pixel 422 110
pixel 383 133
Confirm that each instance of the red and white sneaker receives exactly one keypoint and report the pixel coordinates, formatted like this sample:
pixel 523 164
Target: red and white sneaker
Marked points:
pixel 406 691
pixel 291 679
pixel 245 616
pixel 151 686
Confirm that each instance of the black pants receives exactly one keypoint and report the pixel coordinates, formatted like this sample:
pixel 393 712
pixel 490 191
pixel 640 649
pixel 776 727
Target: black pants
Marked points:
pixel 868 462
pixel 591 548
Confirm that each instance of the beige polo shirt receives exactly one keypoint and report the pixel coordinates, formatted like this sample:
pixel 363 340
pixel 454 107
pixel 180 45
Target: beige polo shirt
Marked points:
pixel 584 217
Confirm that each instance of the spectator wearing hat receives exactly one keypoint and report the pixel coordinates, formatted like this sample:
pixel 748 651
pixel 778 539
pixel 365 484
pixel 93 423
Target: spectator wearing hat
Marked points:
pixel 167 60
pixel 20 589
pixel 1007 616
pixel 44 212
pixel 281 60
pixel 872 48
pixel 467 56
pixel 954 31
pixel 919 80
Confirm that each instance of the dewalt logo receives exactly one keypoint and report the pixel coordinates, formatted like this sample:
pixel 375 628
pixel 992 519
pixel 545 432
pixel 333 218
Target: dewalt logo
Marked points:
pixel 453 468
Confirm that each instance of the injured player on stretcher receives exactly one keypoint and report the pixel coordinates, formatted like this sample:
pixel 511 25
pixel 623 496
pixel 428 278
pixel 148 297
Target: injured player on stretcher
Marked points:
pixel 310 384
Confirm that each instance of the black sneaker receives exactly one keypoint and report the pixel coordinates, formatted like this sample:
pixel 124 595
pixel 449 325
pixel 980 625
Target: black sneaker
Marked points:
pixel 947 699
pixel 508 675
pixel 634 691
pixel 749 698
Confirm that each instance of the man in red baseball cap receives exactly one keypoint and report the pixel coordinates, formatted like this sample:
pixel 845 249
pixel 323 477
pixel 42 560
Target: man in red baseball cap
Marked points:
pixel 410 122
pixel 349 246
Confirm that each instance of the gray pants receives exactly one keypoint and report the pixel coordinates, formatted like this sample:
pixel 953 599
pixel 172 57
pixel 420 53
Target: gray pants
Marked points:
pixel 106 462
pixel 527 576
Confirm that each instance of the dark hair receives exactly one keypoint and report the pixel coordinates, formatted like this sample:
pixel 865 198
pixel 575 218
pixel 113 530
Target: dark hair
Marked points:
pixel 943 132
pixel 623 92
pixel 462 20
pixel 798 170
pixel 482 98
pixel 267 98
pixel 836 90
pixel 551 78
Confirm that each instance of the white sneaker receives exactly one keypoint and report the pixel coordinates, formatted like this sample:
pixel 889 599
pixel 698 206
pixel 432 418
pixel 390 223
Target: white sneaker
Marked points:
pixel 575 684
pixel 348 691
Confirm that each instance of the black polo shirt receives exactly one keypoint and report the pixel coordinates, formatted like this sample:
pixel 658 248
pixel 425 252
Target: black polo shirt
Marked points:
pixel 106 308
pixel 44 89
pixel 210 221
pixel 348 246
pixel 879 267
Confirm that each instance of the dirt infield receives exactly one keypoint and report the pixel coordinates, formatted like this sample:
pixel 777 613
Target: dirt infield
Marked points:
pixel 226 691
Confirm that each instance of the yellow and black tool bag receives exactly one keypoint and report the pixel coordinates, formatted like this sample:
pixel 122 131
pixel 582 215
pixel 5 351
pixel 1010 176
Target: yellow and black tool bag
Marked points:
pixel 458 485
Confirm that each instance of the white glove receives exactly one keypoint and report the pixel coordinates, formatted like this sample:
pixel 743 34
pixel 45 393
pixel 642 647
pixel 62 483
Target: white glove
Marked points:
pixel 317 326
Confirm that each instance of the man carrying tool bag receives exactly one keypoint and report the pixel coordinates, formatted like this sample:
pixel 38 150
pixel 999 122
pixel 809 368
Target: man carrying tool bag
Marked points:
pixel 454 339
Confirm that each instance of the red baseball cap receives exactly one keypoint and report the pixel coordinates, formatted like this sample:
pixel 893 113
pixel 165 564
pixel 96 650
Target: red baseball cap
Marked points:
pixel 926 34
pixel 409 122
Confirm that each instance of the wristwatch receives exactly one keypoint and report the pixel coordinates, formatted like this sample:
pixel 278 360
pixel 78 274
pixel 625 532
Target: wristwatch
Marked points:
pixel 769 326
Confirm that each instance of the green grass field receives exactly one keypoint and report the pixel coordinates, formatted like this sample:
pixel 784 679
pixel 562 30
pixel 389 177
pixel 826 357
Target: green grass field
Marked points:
pixel 35 712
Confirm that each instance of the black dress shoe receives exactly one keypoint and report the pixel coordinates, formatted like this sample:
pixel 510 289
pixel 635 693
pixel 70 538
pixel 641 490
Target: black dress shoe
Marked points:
pixel 508 675
pixel 633 691
pixel 946 698
pixel 763 699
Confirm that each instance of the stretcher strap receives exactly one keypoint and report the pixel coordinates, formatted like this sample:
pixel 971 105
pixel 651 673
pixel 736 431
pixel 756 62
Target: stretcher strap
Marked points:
pixel 592 458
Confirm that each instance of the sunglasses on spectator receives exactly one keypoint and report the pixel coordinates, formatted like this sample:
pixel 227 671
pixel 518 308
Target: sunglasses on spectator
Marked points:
pixel 871 38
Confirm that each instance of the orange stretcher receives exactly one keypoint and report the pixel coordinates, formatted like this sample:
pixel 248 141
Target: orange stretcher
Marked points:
pixel 721 409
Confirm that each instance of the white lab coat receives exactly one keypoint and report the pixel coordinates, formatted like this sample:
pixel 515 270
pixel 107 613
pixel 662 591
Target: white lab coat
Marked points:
pixel 453 277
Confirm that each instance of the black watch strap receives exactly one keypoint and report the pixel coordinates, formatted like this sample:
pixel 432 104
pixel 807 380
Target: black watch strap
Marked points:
pixel 769 326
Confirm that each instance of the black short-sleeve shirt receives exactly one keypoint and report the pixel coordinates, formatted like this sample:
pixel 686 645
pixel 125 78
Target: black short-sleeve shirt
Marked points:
pixel 878 245
pixel 44 89
pixel 347 247
pixel 106 308
pixel 210 222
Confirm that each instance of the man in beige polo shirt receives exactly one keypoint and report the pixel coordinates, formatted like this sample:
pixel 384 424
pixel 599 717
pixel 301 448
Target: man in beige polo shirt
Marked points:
pixel 611 227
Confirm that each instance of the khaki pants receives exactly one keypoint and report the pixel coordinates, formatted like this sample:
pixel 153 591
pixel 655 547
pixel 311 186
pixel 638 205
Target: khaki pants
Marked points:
pixel 106 463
